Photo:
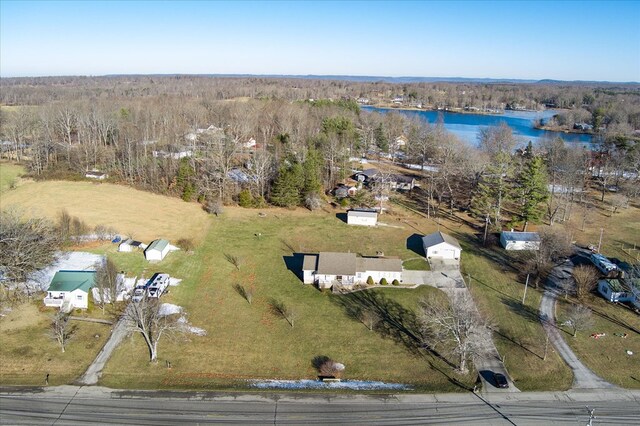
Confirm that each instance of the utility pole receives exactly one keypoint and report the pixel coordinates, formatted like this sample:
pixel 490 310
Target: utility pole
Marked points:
pixel 600 242
pixel 526 284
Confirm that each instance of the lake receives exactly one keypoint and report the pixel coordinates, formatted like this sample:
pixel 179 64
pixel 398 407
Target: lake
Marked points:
pixel 467 126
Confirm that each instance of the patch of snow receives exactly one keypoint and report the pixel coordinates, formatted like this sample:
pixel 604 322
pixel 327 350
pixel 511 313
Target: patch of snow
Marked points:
pixel 191 329
pixel 174 281
pixel 169 309
pixel 65 261
pixel 316 384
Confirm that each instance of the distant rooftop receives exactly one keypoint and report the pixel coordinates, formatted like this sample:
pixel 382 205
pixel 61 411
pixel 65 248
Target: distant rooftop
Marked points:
pixel 520 236
pixel 158 245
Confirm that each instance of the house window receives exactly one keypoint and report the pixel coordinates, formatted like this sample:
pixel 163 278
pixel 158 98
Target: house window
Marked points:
pixel 79 297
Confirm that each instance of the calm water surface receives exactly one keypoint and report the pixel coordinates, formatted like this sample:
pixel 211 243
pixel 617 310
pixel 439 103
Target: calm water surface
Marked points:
pixel 467 126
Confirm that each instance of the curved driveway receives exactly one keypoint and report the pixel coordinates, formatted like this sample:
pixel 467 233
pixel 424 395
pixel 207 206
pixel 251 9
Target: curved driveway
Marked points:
pixel 583 377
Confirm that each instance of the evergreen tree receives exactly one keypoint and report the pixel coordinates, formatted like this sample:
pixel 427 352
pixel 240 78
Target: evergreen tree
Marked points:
pixel 312 168
pixel 381 140
pixel 494 189
pixel 533 190
pixel 288 184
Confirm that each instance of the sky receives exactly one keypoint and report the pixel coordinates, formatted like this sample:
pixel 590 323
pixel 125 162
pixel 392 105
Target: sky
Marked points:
pixel 576 40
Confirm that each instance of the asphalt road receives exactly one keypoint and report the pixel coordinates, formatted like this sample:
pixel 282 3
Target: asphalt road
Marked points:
pixel 69 405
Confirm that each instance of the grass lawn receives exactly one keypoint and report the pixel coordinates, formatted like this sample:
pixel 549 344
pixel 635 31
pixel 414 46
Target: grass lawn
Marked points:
pixel 417 264
pixel 27 354
pixel 143 215
pixel 520 337
pixel 621 229
pixel 9 174
pixel 607 355
pixel 249 341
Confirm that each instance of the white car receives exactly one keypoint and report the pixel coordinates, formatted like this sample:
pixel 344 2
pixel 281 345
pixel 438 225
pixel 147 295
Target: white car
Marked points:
pixel 138 294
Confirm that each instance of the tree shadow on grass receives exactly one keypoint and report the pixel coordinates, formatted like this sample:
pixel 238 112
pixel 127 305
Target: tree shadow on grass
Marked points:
pixel 528 313
pixel 395 321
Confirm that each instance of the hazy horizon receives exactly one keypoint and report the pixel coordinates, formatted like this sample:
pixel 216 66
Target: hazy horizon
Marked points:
pixel 569 41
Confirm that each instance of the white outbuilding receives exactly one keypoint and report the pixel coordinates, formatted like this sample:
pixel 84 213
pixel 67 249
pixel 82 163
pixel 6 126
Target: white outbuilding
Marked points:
pixel 362 217
pixel 441 246
pixel 157 250
pixel 513 240
pixel 129 245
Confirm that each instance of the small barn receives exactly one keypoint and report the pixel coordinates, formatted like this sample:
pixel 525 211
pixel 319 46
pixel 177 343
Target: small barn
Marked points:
pixel 129 245
pixel 70 290
pixel 513 240
pixel 157 250
pixel 362 217
pixel 441 246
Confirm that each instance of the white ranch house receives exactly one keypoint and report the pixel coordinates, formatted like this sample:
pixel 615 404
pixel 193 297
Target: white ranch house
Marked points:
pixel 513 240
pixel 362 217
pixel 70 290
pixel 96 174
pixel 345 270
pixel 441 246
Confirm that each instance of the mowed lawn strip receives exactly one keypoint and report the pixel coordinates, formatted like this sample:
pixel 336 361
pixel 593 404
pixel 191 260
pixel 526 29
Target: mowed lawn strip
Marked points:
pixel 248 341
pixel 607 355
pixel 142 215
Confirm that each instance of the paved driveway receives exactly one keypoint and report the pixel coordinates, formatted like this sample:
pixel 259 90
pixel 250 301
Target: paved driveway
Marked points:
pixel 448 279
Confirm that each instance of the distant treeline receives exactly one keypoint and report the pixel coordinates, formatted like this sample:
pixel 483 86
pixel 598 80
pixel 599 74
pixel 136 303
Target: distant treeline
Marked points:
pixel 291 141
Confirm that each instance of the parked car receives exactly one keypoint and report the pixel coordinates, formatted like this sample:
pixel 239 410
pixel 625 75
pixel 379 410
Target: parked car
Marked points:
pixel 138 293
pixel 501 381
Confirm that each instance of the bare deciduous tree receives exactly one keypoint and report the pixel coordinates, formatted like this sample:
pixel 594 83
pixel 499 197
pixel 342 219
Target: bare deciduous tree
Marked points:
pixel 26 245
pixel 555 244
pixel 369 318
pixel 579 318
pixel 145 317
pixel 60 330
pixel 456 326
pixel 586 278
pixel 107 282
pixel 280 308
pixel 245 291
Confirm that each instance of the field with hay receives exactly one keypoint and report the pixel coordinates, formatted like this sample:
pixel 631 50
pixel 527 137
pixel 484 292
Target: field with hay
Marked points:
pixel 142 215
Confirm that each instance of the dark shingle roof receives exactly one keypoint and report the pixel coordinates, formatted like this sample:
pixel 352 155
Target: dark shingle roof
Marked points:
pixel 520 236
pixel 439 237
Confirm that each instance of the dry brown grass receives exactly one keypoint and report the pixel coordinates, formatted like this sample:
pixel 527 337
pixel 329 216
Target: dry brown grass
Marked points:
pixel 28 353
pixel 141 214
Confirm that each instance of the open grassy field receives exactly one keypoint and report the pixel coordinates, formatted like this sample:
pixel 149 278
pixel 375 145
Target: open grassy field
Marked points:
pixel 607 356
pixel 248 341
pixel 143 215
pixel 620 229
pixel 9 174
pixel 27 354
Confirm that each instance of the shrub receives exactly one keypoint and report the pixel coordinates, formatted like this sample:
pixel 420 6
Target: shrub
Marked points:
pixel 245 199
pixel 344 202
pixel 313 201
pixel 383 281
pixel 214 206
pixel 370 280
pixel 395 282
pixel 185 244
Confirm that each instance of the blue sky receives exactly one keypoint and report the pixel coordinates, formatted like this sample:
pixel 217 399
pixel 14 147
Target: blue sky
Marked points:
pixel 529 40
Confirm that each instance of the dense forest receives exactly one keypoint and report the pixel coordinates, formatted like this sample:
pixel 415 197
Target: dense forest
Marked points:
pixel 292 141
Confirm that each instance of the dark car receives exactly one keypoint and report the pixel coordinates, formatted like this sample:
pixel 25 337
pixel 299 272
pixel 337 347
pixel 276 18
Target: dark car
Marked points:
pixel 500 380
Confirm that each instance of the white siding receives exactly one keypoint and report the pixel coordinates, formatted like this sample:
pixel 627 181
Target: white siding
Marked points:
pixel 307 277
pixel 443 251
pixel 156 254
pixel 353 219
